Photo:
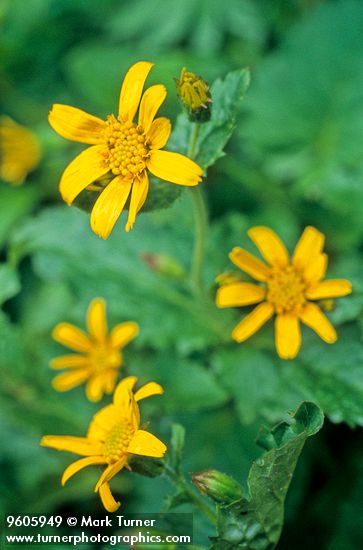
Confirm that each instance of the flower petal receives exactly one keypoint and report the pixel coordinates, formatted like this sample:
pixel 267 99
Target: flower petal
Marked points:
pixel 314 318
pixel 332 288
pixel 146 444
pixel 70 361
pixel 147 390
pixel 110 378
pixel 174 167
pixel 122 392
pixel 287 336
pixel 77 125
pixel 79 465
pixel 310 245
pixel 71 337
pixel 253 322
pixel 109 205
pixel 270 245
pixel 96 320
pixel 239 294
pixel 159 132
pixel 95 387
pixel 103 421
pixel 110 504
pixel 249 264
pixel 111 471
pixel 131 89
pixel 123 333
pixel 316 269
pixel 151 102
pixel 83 170
pixel 139 192
pixel 77 445
pixel 71 379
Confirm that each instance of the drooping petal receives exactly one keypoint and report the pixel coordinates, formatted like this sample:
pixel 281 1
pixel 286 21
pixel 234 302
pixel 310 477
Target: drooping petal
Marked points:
pixel 287 336
pixel 309 246
pixel 70 361
pixel 77 445
pixel 71 337
pixel 86 168
pixel 131 89
pixel 71 379
pixel 239 294
pixel 146 444
pixel 79 465
pixel 77 125
pixel 111 471
pixel 96 320
pixel 314 318
pixel 332 288
pixel 123 333
pixel 316 269
pixel 174 168
pixel 95 387
pixel 110 504
pixel 151 102
pixel 109 205
pixel 122 392
pixel 139 192
pixel 252 322
pixel 249 264
pixel 270 245
pixel 159 133
pixel 152 388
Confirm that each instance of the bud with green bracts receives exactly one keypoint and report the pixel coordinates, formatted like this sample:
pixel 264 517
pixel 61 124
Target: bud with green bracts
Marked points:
pixel 219 487
pixel 193 92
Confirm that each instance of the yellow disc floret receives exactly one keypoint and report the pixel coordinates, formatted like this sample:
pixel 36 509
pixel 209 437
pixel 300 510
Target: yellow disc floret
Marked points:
pixel 105 357
pixel 117 441
pixel 286 290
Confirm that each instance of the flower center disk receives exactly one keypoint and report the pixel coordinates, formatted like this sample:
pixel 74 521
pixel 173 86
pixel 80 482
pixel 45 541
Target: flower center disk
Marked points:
pixel 103 357
pixel 286 290
pixel 117 441
pixel 128 148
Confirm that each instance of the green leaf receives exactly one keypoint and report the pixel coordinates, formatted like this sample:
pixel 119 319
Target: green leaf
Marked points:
pixel 9 282
pixel 177 441
pixel 16 202
pixel 255 523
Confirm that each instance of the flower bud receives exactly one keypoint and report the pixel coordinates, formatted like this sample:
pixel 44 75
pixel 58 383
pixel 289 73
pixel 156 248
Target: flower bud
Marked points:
pixel 164 264
pixel 194 94
pixel 219 487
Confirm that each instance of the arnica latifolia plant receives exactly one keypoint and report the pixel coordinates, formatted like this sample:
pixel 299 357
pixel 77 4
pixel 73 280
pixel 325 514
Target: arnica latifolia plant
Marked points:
pixel 113 435
pixel 99 356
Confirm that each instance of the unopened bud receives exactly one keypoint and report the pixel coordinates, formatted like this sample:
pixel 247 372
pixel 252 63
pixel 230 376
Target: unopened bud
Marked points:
pixel 219 487
pixel 194 94
pixel 164 264
pixel 227 278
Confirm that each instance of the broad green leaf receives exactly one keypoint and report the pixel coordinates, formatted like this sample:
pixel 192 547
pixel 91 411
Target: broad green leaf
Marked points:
pixel 255 522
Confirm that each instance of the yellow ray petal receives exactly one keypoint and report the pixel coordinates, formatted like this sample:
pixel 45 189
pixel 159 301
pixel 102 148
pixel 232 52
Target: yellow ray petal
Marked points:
pixel 159 132
pixel 110 472
pixel 249 264
pixel 77 445
pixel 174 168
pixel 287 336
pixel 270 245
pixel 146 444
pixel 239 294
pixel 152 388
pixel 252 322
pixel 110 378
pixel 123 333
pixel 316 269
pixel 77 125
pixel 71 337
pixel 151 102
pixel 123 390
pixel 332 288
pixel 314 318
pixel 309 246
pixel 70 361
pixel 71 379
pixel 103 421
pixel 96 320
pixel 79 465
pixel 83 170
pixel 139 192
pixel 109 205
pixel 131 89
pixel 95 387
pixel 110 504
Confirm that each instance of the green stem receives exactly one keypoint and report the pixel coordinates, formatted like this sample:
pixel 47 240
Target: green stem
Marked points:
pixel 201 220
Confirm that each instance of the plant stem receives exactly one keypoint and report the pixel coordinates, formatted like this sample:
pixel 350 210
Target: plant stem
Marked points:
pixel 201 220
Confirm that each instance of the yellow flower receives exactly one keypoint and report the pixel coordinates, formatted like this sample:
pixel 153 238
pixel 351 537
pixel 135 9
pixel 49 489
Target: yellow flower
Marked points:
pixel 194 93
pixel 99 356
pixel 19 151
pixel 112 436
pixel 125 149
pixel 287 289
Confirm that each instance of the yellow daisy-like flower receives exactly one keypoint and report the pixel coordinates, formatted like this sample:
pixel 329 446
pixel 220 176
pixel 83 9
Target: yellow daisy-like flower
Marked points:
pixel 125 149
pixel 112 436
pixel 99 354
pixel 19 151
pixel 288 289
